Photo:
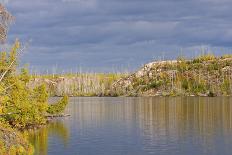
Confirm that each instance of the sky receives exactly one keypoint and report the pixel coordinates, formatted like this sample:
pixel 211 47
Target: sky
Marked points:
pixel 117 35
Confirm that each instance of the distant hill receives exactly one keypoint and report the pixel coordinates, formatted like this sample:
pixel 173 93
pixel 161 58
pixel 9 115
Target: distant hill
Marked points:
pixel 205 75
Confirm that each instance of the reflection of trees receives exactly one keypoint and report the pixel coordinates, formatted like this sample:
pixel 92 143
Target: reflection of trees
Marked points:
pixel 60 130
pixel 40 138
pixel 162 120
pixel 158 120
pixel 169 114
pixel 176 119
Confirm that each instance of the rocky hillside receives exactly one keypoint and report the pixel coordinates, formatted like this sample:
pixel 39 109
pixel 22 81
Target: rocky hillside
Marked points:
pixel 206 75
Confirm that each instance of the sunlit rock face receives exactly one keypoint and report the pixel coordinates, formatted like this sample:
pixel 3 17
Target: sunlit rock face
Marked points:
pixel 202 76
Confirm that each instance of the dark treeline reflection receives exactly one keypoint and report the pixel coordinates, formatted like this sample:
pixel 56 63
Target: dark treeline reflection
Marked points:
pixel 180 125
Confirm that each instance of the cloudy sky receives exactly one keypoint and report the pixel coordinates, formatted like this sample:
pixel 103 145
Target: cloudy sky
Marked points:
pixel 109 35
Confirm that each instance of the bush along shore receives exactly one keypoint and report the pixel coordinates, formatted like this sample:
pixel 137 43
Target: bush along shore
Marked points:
pixel 21 107
pixel 206 75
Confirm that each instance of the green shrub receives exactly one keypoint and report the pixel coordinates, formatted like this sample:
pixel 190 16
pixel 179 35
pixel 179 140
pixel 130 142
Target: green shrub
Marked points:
pixel 185 84
pixel 211 94
pixel 58 107
pixel 202 58
pixel 21 106
pixel 225 87
pixel 155 84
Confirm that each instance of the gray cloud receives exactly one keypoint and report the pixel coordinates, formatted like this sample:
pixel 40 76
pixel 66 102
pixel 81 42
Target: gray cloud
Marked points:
pixel 105 34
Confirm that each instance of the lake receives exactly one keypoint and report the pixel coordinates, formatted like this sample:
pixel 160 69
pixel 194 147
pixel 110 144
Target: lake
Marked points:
pixel 139 126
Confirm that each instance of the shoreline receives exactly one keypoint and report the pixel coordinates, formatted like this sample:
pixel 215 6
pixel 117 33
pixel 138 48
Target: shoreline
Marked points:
pixel 206 75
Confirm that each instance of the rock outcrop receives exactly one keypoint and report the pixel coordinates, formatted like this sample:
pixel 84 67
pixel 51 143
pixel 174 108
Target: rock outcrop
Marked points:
pixel 203 76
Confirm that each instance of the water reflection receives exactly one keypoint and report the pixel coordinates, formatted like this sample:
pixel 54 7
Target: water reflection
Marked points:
pixel 39 138
pixel 182 125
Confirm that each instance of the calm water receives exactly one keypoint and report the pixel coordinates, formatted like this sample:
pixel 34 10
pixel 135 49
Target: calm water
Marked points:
pixel 140 126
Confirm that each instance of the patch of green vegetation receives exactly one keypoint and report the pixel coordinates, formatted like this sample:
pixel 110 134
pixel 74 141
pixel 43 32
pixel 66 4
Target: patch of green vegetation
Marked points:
pixel 58 107
pixel 226 56
pixel 226 86
pixel 205 57
pixel 155 84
